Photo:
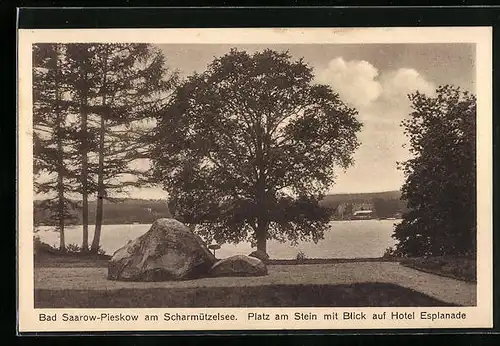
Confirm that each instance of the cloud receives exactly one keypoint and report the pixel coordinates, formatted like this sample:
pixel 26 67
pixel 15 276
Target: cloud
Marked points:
pixel 382 102
pixel 359 82
pixel 397 84
pixel 355 80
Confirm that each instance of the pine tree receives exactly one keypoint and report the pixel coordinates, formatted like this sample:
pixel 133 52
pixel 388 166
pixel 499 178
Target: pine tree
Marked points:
pixel 93 103
pixel 132 88
pixel 82 79
pixel 50 112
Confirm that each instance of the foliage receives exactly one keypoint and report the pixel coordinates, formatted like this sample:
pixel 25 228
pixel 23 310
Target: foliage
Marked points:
pixel 247 148
pixel 301 256
pixel 40 248
pixel 440 184
pixel 388 208
pixel 76 249
pixel 50 215
pixel 390 252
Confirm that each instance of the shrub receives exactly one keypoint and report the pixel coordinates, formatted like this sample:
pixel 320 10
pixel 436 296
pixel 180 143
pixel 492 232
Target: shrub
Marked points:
pixel 77 249
pixel 73 248
pixel 100 251
pixel 301 256
pixel 39 247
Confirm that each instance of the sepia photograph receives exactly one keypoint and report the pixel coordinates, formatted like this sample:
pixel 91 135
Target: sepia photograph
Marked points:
pixel 255 174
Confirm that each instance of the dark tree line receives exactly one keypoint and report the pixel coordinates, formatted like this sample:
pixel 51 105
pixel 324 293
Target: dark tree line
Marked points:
pixel 118 211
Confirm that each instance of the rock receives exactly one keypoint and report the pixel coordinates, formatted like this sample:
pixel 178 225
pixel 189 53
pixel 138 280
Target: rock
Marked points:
pixel 263 256
pixel 239 265
pixel 168 251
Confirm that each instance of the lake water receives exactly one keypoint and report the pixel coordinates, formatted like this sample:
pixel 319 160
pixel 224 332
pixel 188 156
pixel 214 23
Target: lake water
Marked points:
pixel 344 239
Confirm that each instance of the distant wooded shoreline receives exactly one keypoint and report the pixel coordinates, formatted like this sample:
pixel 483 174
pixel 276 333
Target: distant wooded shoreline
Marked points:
pixel 131 210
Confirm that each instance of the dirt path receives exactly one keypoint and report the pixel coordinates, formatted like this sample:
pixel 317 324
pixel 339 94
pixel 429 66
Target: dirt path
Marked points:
pixel 442 288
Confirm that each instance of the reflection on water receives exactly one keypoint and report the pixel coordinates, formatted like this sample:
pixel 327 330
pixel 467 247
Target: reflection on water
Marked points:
pixel 344 239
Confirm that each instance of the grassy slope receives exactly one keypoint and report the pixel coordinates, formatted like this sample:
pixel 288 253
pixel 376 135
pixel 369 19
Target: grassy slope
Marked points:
pixel 461 268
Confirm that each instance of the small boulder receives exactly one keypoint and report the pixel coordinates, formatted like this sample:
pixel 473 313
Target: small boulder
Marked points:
pixel 262 255
pixel 168 251
pixel 239 265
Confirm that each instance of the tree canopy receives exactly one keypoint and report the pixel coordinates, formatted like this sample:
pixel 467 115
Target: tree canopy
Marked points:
pixel 247 148
pixel 440 184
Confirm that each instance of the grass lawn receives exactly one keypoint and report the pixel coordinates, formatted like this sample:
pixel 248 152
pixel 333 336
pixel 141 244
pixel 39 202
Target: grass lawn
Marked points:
pixel 461 268
pixel 70 261
pixel 349 295
pixel 279 289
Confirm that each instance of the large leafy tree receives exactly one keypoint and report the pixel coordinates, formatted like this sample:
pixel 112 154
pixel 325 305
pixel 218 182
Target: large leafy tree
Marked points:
pixel 247 148
pixel 440 185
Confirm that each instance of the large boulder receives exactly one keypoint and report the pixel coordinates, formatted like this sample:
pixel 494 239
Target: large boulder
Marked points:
pixel 239 265
pixel 168 251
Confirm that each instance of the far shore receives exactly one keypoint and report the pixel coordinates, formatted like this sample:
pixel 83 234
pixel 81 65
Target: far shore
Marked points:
pixel 140 223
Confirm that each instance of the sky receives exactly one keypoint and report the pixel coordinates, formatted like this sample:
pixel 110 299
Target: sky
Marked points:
pixel 373 78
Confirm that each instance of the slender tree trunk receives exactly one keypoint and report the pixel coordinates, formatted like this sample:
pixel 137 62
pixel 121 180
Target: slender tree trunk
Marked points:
pixel 100 173
pixel 100 187
pixel 84 176
pixel 60 193
pixel 60 159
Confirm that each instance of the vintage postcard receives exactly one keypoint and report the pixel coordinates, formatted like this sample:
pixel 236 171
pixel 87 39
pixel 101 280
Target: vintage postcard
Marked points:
pixel 255 179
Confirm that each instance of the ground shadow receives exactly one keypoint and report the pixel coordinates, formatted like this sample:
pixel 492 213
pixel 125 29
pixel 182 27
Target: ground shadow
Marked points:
pixel 349 295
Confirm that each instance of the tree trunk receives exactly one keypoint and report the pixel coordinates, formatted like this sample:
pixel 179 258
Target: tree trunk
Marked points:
pixel 100 188
pixel 100 172
pixel 262 237
pixel 60 161
pixel 260 191
pixel 84 176
pixel 60 193
pixel 262 212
